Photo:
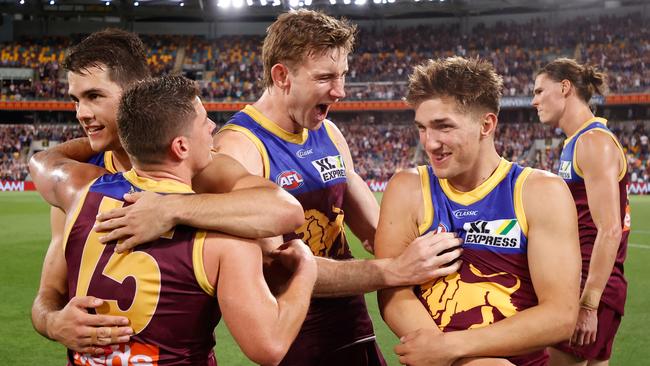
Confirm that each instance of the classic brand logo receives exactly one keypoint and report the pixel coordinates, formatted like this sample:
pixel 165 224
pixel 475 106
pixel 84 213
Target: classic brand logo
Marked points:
pixel 330 168
pixel 303 153
pixel 497 233
pixel 289 179
pixel 463 212
pixel 565 169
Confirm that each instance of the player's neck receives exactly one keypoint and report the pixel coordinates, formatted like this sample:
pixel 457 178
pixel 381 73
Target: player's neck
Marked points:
pixel 574 117
pixel 121 160
pixel 271 104
pixel 478 173
pixel 160 172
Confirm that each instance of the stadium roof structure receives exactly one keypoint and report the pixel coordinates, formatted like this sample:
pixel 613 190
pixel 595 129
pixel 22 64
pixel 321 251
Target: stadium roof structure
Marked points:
pixel 259 10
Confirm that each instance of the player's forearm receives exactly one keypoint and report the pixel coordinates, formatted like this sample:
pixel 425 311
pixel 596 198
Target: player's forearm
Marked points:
pixel 602 262
pixel 524 332
pixel 402 311
pixel 293 304
pixel 350 277
pixel 46 305
pixel 249 213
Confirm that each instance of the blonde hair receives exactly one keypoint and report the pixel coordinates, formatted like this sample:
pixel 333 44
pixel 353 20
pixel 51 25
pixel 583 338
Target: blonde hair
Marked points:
pixel 300 33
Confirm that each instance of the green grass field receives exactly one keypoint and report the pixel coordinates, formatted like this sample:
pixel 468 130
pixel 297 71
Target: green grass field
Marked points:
pixel 24 236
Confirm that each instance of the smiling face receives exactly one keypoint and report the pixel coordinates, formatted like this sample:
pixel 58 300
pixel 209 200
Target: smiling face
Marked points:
pixel 450 138
pixel 96 98
pixel 549 99
pixel 314 85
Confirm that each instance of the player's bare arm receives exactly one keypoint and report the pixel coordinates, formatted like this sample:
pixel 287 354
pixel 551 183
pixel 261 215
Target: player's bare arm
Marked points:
pixel 554 262
pixel 61 184
pixel 69 323
pixel 360 206
pixel 350 277
pixel 601 162
pixel 402 211
pixel 246 301
pixel 237 203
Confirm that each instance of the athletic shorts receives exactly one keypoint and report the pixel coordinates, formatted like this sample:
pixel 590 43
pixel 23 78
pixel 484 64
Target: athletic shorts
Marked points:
pixel 601 349
pixel 358 354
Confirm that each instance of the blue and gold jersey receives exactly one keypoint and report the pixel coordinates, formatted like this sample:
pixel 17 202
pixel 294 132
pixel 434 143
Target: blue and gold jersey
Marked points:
pixel 161 287
pixel 309 166
pixel 493 281
pixel 615 291
pixel 104 160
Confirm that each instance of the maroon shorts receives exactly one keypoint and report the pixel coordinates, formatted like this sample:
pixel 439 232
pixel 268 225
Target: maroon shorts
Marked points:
pixel 601 349
pixel 358 354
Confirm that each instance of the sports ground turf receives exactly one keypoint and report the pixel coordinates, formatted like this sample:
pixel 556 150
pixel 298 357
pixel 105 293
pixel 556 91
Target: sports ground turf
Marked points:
pixel 24 236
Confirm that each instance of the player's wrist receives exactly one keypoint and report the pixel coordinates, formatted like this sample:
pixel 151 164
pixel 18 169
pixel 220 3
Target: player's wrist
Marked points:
pixel 50 325
pixel 393 276
pixel 590 299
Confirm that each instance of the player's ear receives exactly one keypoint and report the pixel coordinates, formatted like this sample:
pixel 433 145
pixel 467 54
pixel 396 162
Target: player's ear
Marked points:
pixel 566 87
pixel 488 124
pixel 280 76
pixel 180 148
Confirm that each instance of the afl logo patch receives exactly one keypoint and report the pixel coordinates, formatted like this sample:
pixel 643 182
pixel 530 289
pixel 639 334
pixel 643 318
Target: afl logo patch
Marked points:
pixel 289 179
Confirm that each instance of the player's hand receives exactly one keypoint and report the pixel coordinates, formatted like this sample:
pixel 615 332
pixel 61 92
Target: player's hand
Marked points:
pixel 424 260
pixel 586 328
pixel 483 362
pixel 145 220
pixel 80 331
pixel 294 255
pixel 288 260
pixel 425 347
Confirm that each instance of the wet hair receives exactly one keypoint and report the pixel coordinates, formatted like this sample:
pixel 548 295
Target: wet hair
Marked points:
pixel 122 52
pixel 152 113
pixel 473 83
pixel 585 78
pixel 300 33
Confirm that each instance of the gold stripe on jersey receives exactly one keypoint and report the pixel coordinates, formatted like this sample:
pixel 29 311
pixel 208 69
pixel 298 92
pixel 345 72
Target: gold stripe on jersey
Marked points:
pixel 623 171
pixel 258 143
pixel 197 261
pixel 582 127
pixel 478 193
pixel 108 162
pixel 295 138
pixel 426 197
pixel 519 202
pixel 328 127
pixel 72 219
pixel 158 186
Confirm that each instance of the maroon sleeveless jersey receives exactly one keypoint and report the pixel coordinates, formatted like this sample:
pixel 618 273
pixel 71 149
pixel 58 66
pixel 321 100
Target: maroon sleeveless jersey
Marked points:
pixel 160 286
pixel 616 290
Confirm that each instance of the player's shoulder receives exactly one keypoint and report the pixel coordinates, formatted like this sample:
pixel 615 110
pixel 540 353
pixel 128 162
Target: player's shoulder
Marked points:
pixel 541 186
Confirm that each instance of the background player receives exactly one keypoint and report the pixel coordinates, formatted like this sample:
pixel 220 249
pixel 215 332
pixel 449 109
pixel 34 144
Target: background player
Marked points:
pixel 169 291
pixel 99 68
pixel 516 289
pixel 594 166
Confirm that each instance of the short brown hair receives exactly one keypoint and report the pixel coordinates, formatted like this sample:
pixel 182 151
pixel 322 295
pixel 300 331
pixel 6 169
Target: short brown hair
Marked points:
pixel 586 79
pixel 473 83
pixel 300 33
pixel 122 52
pixel 152 113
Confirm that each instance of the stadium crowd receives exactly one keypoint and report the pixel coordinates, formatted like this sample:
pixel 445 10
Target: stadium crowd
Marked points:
pixel 381 144
pixel 229 67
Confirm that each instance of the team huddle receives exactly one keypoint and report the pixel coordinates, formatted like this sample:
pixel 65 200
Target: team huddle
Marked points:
pixel 162 225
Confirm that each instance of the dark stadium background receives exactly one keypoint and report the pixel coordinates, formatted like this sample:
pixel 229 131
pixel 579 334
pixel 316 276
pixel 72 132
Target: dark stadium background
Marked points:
pixel 219 46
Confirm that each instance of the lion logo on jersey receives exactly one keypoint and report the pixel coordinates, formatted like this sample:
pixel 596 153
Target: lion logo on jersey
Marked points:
pixel 320 233
pixel 451 298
